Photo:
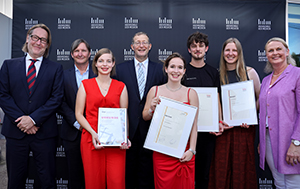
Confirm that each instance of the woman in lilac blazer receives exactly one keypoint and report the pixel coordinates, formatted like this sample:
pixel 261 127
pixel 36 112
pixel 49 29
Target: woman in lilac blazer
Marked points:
pixel 280 116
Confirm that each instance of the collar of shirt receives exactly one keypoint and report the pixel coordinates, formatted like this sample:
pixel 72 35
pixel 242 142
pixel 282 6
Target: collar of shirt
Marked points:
pixel 80 77
pixel 37 64
pixel 145 66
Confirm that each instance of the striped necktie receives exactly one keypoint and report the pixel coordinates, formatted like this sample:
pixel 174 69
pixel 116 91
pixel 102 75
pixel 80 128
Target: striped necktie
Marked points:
pixel 31 75
pixel 141 79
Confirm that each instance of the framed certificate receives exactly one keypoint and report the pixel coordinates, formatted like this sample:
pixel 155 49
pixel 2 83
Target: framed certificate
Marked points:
pixel 112 126
pixel 208 113
pixel 238 102
pixel 170 127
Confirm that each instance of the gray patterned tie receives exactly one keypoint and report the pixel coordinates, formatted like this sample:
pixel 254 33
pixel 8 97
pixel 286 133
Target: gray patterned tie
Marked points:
pixel 141 79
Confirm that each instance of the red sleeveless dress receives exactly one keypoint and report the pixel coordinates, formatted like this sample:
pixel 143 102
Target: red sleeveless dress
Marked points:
pixel 169 172
pixel 104 168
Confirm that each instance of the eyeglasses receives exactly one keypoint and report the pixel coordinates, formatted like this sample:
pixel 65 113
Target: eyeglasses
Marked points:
pixel 37 38
pixel 139 43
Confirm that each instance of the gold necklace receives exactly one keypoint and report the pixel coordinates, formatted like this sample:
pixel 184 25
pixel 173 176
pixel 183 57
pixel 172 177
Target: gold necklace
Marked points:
pixel 173 90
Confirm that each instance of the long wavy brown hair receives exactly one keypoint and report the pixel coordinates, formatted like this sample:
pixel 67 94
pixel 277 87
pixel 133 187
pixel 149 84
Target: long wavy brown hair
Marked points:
pixel 240 66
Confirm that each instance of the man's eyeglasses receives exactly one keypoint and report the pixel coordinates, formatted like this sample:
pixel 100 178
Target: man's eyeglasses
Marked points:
pixel 139 43
pixel 37 38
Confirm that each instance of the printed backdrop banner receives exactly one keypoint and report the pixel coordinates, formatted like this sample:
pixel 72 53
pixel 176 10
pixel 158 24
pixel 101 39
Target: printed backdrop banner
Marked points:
pixel 113 23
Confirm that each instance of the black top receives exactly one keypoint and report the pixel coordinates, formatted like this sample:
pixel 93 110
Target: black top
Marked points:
pixel 233 77
pixel 206 76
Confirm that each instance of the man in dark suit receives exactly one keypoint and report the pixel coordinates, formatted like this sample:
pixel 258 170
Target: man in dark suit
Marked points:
pixel 70 129
pixel 139 75
pixel 31 90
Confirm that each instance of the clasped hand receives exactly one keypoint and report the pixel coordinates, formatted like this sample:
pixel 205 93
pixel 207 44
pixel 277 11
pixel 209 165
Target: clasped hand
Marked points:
pixel 26 125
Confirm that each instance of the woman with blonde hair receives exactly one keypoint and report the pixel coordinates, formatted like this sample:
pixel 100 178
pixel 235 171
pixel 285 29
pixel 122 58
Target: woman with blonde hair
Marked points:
pixel 279 126
pixel 233 164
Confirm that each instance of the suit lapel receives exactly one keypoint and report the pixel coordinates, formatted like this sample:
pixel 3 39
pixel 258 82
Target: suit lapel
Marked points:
pixel 131 70
pixel 72 79
pixel 150 75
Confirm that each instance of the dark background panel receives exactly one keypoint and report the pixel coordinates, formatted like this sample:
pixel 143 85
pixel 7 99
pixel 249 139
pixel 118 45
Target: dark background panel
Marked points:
pixel 118 20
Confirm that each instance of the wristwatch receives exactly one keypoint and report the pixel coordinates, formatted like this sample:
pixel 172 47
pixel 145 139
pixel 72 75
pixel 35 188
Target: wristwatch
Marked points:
pixel 296 142
pixel 193 151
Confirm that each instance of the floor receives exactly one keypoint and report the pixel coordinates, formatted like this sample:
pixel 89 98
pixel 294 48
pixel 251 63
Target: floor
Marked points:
pixel 3 175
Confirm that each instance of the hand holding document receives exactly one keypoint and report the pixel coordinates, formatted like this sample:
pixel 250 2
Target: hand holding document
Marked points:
pixel 112 126
pixel 170 127
pixel 238 103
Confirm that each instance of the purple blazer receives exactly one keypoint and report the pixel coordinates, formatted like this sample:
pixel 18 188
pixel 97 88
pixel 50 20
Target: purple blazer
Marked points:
pixel 282 102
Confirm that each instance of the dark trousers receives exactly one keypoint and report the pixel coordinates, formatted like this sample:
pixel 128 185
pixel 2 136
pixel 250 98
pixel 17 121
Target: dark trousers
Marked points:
pixel 205 149
pixel 74 161
pixel 139 165
pixel 17 154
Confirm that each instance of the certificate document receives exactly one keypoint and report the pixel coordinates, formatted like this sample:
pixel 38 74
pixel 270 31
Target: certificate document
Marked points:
pixel 208 114
pixel 170 127
pixel 112 126
pixel 238 102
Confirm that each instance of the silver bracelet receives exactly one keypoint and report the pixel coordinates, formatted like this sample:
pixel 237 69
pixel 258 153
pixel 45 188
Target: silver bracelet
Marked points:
pixel 193 151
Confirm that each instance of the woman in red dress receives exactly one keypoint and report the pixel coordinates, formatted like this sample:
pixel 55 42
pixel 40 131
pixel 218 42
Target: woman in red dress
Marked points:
pixel 103 167
pixel 170 172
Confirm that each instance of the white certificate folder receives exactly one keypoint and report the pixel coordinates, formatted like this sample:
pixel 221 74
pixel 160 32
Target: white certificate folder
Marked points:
pixel 238 103
pixel 208 113
pixel 112 126
pixel 170 127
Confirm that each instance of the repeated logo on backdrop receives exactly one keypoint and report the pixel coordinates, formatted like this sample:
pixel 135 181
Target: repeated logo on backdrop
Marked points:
pixel 61 183
pixel 29 23
pixel 97 23
pixel 165 23
pixel 232 24
pixel 264 24
pixel 261 54
pixel 131 23
pixel 163 54
pixel 93 53
pixel 198 24
pixel 29 183
pixel 63 24
pixel 62 55
pixel 60 151
pixel 128 54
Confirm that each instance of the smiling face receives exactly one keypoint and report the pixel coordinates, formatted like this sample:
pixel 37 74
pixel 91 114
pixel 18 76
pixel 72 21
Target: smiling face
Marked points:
pixel 37 49
pixel 198 50
pixel 230 53
pixel 175 69
pixel 276 53
pixel 81 54
pixel 141 47
pixel 105 64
